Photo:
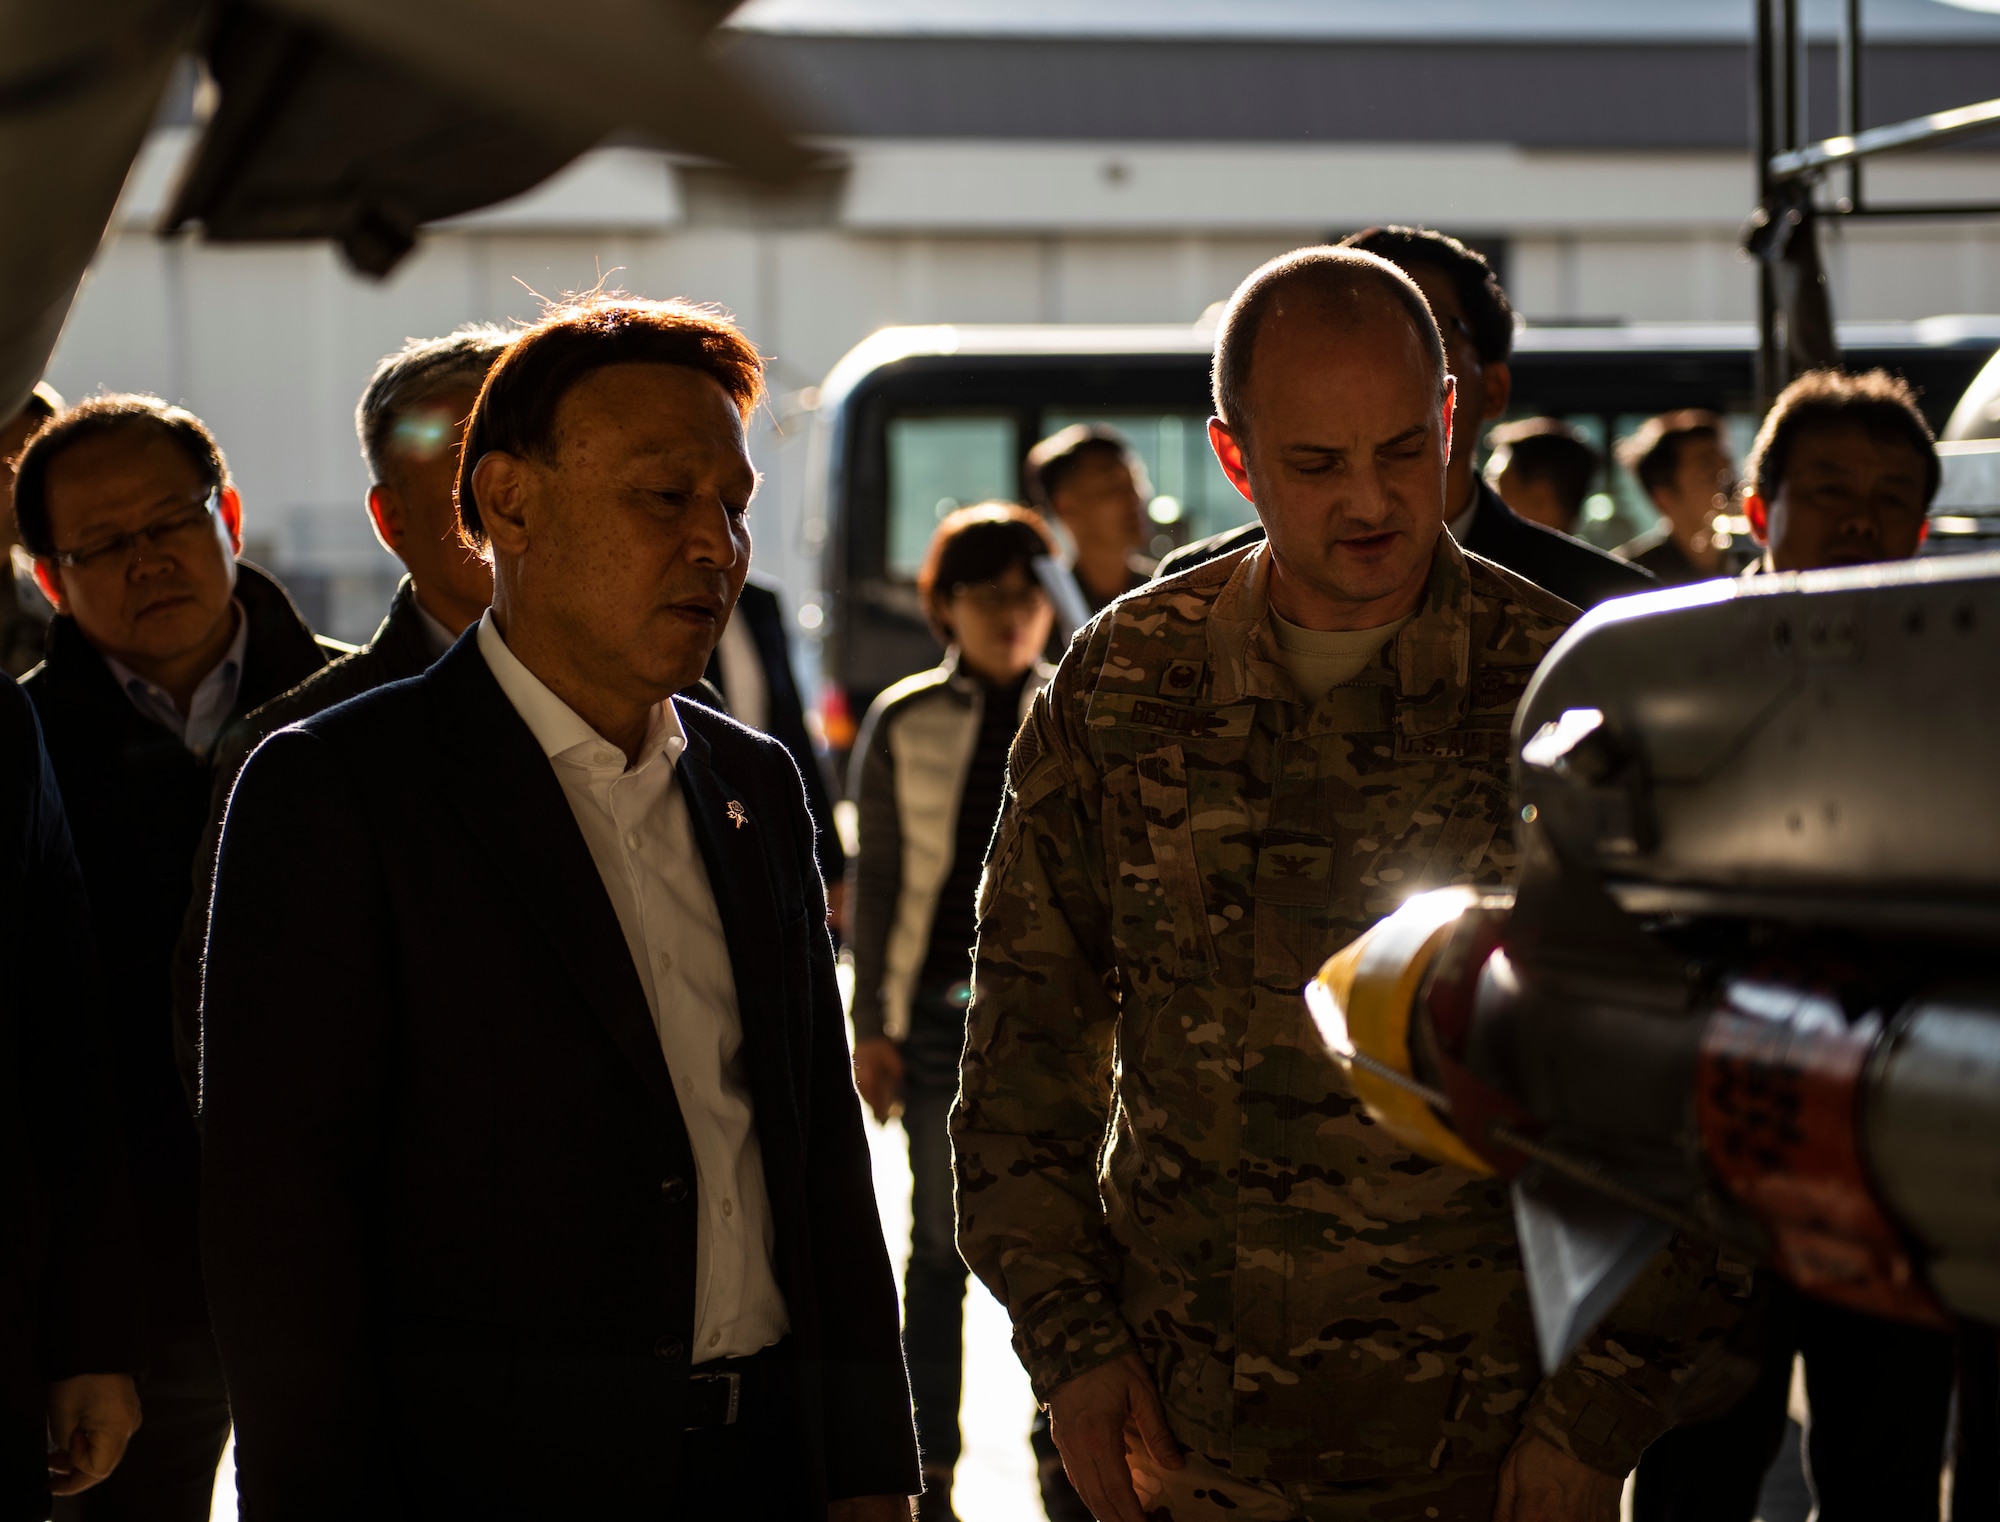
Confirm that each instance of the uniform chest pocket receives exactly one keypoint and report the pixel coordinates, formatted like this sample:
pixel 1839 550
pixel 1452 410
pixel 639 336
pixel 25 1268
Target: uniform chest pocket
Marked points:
pixel 1294 869
pixel 1446 837
pixel 1163 802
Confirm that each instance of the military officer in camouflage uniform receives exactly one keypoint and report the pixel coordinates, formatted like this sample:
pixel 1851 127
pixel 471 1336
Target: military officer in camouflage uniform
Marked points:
pixel 1210 1255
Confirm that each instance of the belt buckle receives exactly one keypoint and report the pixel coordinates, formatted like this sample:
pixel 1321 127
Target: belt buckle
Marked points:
pixel 735 1381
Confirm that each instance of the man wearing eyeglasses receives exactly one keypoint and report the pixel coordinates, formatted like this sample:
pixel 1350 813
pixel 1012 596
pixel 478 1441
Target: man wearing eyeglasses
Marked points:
pixel 1842 474
pixel 161 643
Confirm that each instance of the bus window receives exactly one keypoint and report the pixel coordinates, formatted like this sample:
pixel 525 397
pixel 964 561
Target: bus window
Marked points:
pixel 1191 497
pixel 939 462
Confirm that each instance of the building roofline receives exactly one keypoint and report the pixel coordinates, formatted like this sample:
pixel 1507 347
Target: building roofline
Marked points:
pixel 1410 21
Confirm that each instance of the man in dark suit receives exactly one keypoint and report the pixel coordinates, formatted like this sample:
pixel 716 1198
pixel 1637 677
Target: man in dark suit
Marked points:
pixel 1090 479
pixel 752 669
pixel 1681 460
pixel 535 1179
pixel 410 421
pixel 1477 322
pixel 69 1330
pixel 162 641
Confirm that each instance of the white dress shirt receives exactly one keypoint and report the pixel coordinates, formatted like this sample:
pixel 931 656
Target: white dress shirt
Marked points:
pixel 1462 524
pixel 744 686
pixel 436 635
pixel 635 821
pixel 208 710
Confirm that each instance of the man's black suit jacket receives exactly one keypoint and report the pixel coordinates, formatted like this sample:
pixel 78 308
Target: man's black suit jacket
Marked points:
pixel 137 800
pixel 67 1291
pixel 764 617
pixel 401 647
pixel 450 1204
pixel 1578 573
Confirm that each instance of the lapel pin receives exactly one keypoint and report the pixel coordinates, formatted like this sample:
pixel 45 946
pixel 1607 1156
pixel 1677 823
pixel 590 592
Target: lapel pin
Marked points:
pixel 736 815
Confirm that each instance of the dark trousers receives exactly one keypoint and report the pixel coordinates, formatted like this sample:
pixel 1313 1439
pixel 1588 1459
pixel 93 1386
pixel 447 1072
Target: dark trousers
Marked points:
pixel 934 1286
pixel 1975 1475
pixel 748 1470
pixel 168 1473
pixel 1880 1394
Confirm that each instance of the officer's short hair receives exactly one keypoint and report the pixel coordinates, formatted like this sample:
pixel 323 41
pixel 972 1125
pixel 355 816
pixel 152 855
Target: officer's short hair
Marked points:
pixel 1653 454
pixel 1547 449
pixel 1881 405
pixel 1051 461
pixel 1325 275
pixel 114 412
pixel 421 371
pixel 1488 312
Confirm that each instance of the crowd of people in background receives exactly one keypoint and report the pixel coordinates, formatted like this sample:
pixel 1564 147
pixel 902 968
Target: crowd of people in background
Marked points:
pixel 430 1065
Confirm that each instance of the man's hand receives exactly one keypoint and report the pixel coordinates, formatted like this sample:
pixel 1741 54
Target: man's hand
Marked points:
pixel 1094 1418
pixel 878 1074
pixel 91 1419
pixel 872 1509
pixel 1541 1483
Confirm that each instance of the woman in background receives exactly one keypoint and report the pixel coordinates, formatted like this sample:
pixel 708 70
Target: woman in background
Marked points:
pixel 929 769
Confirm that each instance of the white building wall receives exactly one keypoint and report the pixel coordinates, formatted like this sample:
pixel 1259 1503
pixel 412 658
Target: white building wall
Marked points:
pixel 273 344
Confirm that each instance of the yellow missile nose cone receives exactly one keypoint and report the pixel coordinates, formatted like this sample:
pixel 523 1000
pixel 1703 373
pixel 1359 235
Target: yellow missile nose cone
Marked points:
pixel 1329 994
pixel 1363 1001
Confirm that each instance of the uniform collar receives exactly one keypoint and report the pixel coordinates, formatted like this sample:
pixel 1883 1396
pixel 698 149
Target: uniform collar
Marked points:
pixel 1432 654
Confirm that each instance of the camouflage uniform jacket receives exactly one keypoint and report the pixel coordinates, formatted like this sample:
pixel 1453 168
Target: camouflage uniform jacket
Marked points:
pixel 1153 1151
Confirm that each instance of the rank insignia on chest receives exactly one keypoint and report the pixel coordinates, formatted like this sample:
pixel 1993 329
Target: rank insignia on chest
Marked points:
pixel 1498 687
pixel 1293 869
pixel 1182 679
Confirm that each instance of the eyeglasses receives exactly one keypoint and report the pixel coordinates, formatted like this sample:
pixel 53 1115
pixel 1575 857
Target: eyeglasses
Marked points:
pixel 175 531
pixel 991 597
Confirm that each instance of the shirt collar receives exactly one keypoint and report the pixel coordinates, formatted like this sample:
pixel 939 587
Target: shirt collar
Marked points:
pixel 214 697
pixel 436 635
pixel 1432 653
pixel 1461 526
pixel 558 728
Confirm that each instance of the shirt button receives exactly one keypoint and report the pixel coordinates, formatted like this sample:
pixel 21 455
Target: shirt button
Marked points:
pixel 668 1349
pixel 673 1190
pixel 632 839
pixel 728 1210
pixel 666 961
pixel 714 1338
pixel 604 758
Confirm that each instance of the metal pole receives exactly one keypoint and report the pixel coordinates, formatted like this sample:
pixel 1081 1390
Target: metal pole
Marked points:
pixel 1850 92
pixel 1796 135
pixel 1768 95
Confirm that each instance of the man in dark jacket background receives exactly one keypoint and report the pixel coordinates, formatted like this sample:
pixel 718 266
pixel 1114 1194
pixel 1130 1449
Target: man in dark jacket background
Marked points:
pixel 752 669
pixel 1477 322
pixel 69 1331
pixel 162 641
pixel 1681 461
pixel 24 612
pixel 410 420
pixel 535 1181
